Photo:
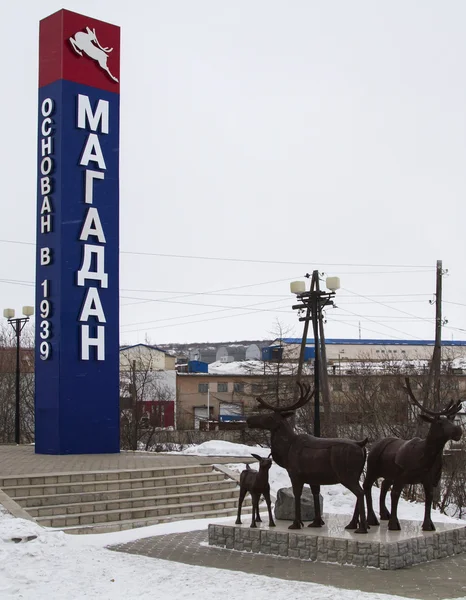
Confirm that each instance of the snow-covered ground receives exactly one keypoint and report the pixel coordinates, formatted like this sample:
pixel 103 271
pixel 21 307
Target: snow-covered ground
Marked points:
pixel 55 566
pixel 221 448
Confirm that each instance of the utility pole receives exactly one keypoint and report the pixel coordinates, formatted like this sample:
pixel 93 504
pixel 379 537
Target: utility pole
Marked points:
pixel 324 379
pixel 315 325
pixel 135 405
pixel 314 301
pixel 435 366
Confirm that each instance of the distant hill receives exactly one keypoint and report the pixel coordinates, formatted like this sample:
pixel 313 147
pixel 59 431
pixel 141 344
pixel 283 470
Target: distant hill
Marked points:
pixel 208 351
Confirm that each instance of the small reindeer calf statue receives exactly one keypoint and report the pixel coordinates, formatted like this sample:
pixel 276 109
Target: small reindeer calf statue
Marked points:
pixel 257 484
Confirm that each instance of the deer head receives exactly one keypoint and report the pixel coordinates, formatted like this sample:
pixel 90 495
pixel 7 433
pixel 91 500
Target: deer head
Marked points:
pixel 264 462
pixel 278 416
pixel 442 426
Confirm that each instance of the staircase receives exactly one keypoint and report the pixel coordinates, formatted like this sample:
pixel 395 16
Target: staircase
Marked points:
pixel 99 502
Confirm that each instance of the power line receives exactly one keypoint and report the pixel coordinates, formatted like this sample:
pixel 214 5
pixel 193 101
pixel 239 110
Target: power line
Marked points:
pixel 238 287
pixel 386 305
pixel 211 312
pixel 377 323
pixel 18 242
pixel 384 333
pixel 282 296
pixel 17 282
pixel 272 262
pixel 198 321
pixel 455 303
pixel 248 260
pixel 415 317
pixel 143 291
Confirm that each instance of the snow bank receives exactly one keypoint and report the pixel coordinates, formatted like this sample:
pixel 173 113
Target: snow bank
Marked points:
pixel 221 448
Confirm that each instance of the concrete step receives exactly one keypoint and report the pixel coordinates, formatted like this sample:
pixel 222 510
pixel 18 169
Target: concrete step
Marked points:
pixel 133 523
pixel 29 502
pixel 74 477
pixel 79 487
pixel 136 514
pixel 77 508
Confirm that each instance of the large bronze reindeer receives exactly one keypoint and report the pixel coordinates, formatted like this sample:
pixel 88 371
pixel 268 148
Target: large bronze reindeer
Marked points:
pixel 312 460
pixel 417 460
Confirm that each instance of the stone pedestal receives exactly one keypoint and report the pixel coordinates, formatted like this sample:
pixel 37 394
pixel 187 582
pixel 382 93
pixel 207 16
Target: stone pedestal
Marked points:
pixel 285 508
pixel 380 548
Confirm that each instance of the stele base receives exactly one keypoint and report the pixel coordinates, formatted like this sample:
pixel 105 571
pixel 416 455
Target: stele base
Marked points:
pixel 332 543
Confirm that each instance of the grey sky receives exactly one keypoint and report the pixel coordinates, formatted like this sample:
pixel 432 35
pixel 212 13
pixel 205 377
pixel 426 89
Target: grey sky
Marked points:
pixel 331 134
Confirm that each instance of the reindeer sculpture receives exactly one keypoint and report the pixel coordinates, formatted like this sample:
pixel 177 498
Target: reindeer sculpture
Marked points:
pixel 257 484
pixel 312 460
pixel 410 461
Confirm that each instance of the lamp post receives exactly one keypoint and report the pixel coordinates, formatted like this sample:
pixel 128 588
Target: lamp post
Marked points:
pixel 313 302
pixel 18 326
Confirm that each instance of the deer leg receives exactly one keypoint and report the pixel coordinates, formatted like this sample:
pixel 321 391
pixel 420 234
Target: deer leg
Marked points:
pixel 360 509
pixel 269 508
pixel 255 508
pixel 393 523
pixel 367 487
pixel 73 43
pixel 242 494
pixel 258 517
pixel 384 512
pixel 297 491
pixel 105 68
pixel 318 521
pixel 355 519
pixel 428 524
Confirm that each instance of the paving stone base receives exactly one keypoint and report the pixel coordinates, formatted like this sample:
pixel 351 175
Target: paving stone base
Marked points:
pixel 380 548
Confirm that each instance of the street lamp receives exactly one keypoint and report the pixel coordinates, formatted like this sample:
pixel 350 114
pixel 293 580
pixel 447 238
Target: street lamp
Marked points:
pixel 313 302
pixel 18 326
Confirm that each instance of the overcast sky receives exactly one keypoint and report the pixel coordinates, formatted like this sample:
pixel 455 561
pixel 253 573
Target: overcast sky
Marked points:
pixel 261 139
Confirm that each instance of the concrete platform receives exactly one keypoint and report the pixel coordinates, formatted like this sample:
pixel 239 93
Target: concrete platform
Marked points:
pixel 380 548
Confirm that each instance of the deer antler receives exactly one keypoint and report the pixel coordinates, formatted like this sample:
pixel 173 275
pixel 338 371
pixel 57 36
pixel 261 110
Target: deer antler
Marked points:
pixel 304 398
pixel 107 50
pixel 451 409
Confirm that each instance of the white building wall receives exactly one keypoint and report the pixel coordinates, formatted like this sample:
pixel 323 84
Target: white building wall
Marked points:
pixel 372 351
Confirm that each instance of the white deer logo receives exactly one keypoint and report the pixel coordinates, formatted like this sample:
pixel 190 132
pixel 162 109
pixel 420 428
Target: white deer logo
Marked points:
pixel 85 42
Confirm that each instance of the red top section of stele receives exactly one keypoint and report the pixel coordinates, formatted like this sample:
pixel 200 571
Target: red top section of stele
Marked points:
pixel 79 49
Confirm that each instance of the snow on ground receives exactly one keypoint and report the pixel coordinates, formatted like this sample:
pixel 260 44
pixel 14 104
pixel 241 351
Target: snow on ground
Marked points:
pixel 56 565
pixel 221 448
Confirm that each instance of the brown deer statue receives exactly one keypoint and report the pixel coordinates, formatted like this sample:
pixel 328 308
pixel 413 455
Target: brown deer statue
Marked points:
pixel 257 484
pixel 402 462
pixel 312 460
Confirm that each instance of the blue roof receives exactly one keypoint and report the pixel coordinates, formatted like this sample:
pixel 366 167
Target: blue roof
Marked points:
pixel 367 342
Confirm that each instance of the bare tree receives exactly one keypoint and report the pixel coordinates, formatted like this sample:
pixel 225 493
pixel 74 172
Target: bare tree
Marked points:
pixel 8 385
pixel 141 384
